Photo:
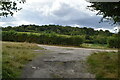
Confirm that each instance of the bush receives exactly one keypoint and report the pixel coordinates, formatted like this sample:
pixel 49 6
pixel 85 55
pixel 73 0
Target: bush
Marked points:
pixel 100 39
pixel 96 39
pixel 114 42
pixel 20 37
pixel 42 38
pixel 77 41
pixel 9 35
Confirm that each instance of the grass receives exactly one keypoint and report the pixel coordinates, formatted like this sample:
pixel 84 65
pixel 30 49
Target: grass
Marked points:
pixel 0 60
pixel 30 33
pixel 15 56
pixel 40 33
pixel 95 46
pixel 87 45
pixel 104 64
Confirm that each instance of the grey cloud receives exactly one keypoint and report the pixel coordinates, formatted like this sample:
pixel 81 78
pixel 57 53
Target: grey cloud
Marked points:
pixel 66 11
pixel 65 15
pixel 68 15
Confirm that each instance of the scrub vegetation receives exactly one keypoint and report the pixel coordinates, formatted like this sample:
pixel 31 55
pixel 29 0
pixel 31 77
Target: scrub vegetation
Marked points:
pixel 104 64
pixel 15 56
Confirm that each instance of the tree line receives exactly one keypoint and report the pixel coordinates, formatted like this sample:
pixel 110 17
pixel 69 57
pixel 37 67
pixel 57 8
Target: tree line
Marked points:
pixel 66 30
pixel 43 38
pixel 59 35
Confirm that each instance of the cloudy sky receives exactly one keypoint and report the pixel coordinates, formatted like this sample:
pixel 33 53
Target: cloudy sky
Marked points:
pixel 63 12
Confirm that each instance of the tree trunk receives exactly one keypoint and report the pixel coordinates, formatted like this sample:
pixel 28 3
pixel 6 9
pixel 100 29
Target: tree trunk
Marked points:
pixel 119 52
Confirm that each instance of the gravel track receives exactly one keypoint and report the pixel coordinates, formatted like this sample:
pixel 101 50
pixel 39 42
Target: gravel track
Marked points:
pixel 60 62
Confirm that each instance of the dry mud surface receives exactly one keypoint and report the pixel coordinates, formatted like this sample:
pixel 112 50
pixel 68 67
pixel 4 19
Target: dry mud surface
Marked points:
pixel 60 62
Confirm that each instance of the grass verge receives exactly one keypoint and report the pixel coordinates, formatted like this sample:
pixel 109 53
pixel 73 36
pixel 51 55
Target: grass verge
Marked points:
pixel 96 46
pixel 14 57
pixel 104 64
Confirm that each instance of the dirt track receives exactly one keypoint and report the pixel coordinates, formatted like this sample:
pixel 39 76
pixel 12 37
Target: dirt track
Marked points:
pixel 60 62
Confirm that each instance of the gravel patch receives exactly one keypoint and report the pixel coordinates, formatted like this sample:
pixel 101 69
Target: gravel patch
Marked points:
pixel 60 62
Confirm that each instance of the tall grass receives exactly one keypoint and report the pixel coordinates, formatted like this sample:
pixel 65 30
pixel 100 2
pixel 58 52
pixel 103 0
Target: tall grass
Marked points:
pixel 95 46
pixel 15 56
pixel 104 64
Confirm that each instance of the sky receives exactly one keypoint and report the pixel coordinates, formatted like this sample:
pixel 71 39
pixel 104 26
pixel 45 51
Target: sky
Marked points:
pixel 60 12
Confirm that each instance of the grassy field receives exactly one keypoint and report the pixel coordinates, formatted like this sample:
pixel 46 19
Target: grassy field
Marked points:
pixel 99 46
pixel 104 64
pixel 96 46
pixel 15 56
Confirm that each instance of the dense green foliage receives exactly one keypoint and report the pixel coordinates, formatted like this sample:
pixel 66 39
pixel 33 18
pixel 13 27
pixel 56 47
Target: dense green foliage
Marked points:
pixel 58 35
pixel 114 41
pixel 66 30
pixel 90 35
pixel 42 38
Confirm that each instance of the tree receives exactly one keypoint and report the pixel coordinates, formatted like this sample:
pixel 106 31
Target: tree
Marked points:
pixel 109 10
pixel 9 7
